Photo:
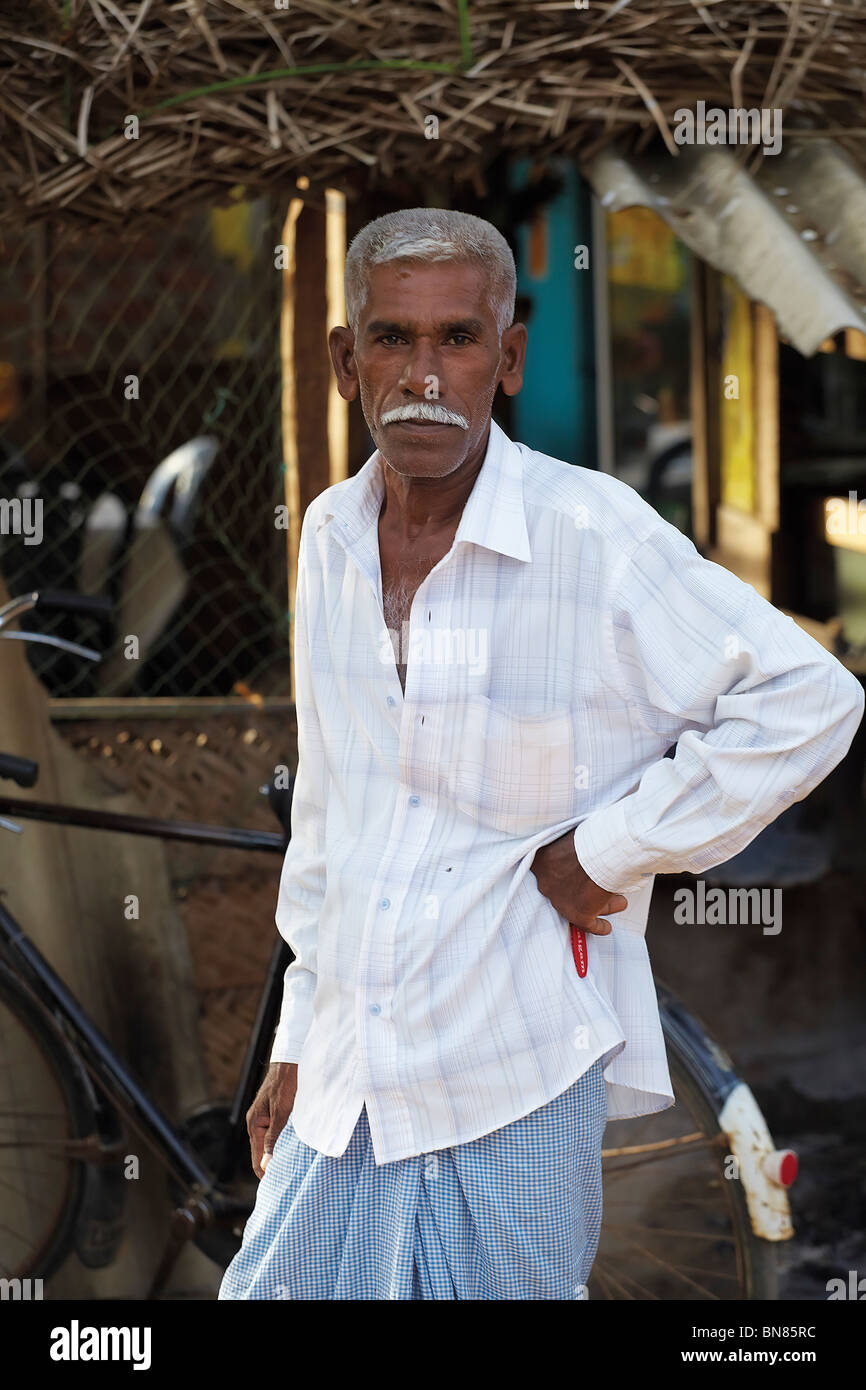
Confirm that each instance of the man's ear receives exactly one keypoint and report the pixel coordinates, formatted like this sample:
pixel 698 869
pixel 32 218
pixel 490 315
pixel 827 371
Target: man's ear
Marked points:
pixel 513 351
pixel 341 345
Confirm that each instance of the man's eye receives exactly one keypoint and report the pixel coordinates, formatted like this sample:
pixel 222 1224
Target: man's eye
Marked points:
pixel 465 336
pixel 394 337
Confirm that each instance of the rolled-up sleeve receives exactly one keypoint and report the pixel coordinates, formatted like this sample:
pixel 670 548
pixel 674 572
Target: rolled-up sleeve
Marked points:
pixel 760 713
pixel 303 876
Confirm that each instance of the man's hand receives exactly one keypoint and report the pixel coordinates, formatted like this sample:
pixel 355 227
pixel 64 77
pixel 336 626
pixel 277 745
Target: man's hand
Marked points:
pixel 269 1112
pixel 565 883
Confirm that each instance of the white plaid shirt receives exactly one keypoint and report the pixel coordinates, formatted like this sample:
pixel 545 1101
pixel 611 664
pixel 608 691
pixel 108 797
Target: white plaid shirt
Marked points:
pixel 567 639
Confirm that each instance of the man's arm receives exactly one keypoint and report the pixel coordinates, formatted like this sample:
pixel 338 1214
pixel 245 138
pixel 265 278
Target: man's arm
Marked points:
pixel 760 713
pixel 303 876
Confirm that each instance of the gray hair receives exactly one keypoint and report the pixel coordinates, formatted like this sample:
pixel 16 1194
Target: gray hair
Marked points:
pixel 432 234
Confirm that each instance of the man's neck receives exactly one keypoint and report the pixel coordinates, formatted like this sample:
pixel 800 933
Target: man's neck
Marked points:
pixel 415 506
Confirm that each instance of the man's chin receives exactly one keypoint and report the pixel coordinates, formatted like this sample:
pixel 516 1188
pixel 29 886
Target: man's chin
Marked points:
pixel 433 455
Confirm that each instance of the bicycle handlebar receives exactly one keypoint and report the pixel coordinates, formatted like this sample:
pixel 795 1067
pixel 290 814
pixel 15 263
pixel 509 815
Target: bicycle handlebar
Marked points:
pixel 21 770
pixel 68 601
pixel 56 600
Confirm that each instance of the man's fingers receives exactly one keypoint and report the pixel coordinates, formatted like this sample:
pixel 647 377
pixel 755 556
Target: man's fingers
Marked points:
pixel 273 1134
pixel 257 1128
pixel 596 925
pixel 599 927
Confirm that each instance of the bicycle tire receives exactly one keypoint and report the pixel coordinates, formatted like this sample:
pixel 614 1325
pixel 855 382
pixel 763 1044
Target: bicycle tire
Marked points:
pixel 31 1014
pixel 757 1258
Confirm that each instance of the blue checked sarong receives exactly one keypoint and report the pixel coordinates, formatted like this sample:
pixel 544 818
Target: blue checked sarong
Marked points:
pixel 515 1214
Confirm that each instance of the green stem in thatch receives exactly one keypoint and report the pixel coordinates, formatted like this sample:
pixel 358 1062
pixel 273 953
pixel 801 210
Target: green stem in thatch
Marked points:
pixel 256 78
pixel 465 38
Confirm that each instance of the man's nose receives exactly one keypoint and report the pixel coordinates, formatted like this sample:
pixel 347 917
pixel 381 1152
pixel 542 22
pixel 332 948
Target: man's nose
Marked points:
pixel 422 372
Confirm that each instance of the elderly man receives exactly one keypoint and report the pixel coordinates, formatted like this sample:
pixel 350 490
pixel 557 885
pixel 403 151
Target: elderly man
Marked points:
pixel 494 650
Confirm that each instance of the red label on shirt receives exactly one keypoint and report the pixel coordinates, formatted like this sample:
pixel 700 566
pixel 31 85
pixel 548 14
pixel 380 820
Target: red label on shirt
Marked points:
pixel 578 949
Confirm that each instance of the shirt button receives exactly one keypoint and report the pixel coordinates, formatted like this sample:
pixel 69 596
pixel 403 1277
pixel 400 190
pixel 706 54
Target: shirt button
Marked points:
pixel 414 801
pixel 390 700
pixel 375 1009
pixel 384 902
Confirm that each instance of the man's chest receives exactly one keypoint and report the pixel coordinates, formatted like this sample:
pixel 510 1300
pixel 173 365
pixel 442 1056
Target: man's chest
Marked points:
pixel 529 636
pixel 505 680
pixel 403 568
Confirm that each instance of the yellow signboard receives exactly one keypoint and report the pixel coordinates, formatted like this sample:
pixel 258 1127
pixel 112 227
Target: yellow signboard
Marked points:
pixel 738 455
pixel 643 251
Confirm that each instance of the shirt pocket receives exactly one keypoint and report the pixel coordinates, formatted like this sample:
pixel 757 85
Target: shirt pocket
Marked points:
pixel 514 772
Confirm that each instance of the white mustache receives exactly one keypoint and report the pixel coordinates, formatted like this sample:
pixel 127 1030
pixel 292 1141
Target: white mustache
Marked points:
pixel 425 410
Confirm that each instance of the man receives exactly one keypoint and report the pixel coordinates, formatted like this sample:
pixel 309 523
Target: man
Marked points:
pixel 494 650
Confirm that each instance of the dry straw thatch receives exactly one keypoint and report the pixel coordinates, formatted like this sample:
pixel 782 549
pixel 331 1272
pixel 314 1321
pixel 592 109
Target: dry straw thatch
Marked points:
pixel 246 92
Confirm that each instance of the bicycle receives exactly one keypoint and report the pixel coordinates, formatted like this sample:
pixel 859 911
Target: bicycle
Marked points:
pixel 679 1221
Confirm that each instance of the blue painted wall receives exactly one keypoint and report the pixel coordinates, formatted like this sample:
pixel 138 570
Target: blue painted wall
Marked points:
pixel 556 411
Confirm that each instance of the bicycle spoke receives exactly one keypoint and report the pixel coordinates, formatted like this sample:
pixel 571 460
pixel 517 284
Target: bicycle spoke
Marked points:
pixel 670 1231
pixel 42 1142
pixel 606 1275
pixel 677 1272
pixel 713 1273
pixel 681 1201
pixel 620 1169
pixel 31 1115
pixel 657 1145
pixel 645 1292
pixel 21 1192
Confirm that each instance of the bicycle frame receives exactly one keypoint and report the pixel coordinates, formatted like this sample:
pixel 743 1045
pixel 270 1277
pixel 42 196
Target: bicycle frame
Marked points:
pixel 107 1070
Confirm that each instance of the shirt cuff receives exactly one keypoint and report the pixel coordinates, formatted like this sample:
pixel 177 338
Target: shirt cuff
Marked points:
pixel 288 1042
pixel 609 853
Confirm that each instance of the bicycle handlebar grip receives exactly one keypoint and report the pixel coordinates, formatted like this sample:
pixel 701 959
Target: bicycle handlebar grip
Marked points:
pixel 68 601
pixel 21 770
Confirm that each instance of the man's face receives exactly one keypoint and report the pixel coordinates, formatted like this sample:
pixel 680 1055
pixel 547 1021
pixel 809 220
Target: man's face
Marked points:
pixel 427 341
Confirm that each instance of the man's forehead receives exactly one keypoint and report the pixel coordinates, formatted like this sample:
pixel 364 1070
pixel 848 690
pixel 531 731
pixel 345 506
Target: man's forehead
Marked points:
pixel 460 295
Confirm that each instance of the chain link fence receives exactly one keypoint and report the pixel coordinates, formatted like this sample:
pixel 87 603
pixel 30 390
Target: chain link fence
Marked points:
pixel 140 451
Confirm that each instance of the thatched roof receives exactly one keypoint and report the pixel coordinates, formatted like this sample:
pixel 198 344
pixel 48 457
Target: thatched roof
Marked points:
pixel 245 92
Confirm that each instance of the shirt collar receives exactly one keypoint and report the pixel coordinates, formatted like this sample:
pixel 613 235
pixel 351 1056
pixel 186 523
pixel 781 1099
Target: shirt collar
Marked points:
pixel 493 516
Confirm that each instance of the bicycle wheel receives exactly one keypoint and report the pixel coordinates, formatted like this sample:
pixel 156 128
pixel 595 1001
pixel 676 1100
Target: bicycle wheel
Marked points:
pixel 674 1226
pixel 43 1111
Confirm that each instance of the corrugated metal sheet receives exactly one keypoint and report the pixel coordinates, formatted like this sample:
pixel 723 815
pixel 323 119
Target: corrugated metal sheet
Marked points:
pixel 793 235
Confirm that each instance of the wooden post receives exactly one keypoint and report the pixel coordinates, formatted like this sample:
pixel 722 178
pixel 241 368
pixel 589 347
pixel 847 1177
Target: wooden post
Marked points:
pixel 335 267
pixel 314 418
pixel 747 513
pixel 706 388
pixel 766 416
pixel 358 213
pixel 289 409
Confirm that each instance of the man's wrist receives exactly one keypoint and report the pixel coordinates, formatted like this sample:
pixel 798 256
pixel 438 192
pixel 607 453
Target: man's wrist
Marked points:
pixel 607 852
